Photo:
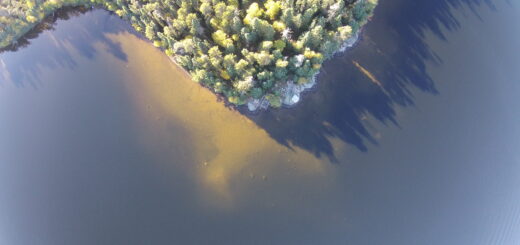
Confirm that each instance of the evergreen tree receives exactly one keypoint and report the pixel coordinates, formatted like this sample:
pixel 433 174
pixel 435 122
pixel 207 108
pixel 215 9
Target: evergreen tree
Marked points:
pixel 239 48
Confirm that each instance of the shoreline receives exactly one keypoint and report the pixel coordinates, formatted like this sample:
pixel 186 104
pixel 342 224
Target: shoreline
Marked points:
pixel 293 92
pixel 286 91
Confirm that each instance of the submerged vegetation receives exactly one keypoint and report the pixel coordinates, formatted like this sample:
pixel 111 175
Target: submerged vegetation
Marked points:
pixel 243 49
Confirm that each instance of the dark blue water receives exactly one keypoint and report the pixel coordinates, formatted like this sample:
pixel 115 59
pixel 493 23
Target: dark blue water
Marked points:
pixel 412 137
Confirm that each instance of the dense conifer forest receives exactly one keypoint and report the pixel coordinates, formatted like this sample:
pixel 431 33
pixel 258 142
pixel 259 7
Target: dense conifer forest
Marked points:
pixel 242 49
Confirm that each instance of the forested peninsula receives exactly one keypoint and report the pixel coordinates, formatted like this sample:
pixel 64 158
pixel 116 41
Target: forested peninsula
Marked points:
pixel 260 53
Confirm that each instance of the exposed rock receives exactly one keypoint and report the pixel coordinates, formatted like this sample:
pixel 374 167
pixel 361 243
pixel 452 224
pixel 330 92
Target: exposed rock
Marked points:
pixel 257 104
pixel 253 104
pixel 311 83
pixel 264 104
pixel 291 92
pixel 349 43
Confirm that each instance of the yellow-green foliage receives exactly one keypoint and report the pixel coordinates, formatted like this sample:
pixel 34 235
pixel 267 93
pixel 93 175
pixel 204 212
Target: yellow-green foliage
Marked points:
pixel 241 49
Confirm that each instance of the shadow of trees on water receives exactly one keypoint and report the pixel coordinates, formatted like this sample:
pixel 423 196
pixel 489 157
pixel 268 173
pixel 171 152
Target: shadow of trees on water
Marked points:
pixel 23 62
pixel 370 80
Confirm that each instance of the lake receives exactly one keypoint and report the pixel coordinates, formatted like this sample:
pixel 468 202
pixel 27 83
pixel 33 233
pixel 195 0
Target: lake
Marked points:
pixel 411 137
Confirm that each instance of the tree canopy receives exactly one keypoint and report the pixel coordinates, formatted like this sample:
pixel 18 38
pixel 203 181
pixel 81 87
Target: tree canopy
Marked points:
pixel 241 49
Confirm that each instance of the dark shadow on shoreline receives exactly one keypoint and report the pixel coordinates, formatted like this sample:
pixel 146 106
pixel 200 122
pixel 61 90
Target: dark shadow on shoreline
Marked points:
pixel 25 61
pixel 369 80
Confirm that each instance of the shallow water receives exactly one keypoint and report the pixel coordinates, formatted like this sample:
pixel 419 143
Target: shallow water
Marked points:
pixel 410 138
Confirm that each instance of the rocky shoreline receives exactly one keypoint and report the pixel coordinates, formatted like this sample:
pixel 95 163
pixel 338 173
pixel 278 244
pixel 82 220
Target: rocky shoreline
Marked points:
pixel 268 57
pixel 292 92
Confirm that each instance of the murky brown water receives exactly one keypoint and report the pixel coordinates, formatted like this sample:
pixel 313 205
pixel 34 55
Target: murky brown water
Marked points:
pixel 104 141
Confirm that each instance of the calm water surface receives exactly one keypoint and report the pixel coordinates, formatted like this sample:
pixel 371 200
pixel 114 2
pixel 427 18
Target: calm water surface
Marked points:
pixel 412 137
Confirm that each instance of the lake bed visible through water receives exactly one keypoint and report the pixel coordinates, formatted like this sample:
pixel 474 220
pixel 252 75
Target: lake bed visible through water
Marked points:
pixel 411 137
